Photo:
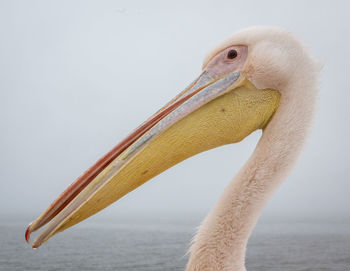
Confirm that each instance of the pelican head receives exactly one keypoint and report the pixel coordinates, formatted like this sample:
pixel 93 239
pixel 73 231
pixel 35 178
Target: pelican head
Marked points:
pixel 251 81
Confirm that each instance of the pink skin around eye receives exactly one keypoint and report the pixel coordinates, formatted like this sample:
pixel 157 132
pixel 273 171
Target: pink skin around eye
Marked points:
pixel 220 64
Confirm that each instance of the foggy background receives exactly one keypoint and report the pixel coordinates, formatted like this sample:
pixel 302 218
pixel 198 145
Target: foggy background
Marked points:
pixel 77 76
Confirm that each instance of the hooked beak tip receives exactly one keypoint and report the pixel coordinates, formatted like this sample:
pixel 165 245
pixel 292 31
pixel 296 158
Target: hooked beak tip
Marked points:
pixel 28 232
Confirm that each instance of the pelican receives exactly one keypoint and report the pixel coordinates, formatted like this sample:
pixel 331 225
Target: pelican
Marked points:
pixel 259 78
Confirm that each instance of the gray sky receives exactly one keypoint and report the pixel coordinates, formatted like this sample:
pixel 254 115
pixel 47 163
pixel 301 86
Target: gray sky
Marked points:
pixel 77 76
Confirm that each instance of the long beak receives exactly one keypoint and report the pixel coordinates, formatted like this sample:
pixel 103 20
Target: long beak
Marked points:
pixel 212 111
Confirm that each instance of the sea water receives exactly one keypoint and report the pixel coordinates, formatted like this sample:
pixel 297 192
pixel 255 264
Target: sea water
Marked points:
pixel 154 245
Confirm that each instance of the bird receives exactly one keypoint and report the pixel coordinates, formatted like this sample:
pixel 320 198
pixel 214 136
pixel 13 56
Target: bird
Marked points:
pixel 260 78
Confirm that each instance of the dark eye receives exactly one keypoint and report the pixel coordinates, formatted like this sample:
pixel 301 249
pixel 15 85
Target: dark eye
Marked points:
pixel 232 54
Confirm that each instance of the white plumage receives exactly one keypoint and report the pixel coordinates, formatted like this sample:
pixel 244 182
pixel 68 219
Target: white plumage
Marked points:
pixel 276 59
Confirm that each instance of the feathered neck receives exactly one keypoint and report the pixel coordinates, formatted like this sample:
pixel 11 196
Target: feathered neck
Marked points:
pixel 220 243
